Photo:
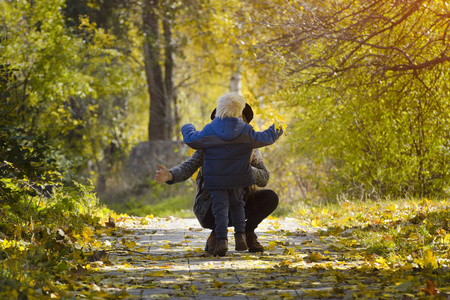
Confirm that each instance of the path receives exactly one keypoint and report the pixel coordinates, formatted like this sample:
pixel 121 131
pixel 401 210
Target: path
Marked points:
pixel 159 258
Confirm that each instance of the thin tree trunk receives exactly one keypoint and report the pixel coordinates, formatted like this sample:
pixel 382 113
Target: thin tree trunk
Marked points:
pixel 236 75
pixel 168 75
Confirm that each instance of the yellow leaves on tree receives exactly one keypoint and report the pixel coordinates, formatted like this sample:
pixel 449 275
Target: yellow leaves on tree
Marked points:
pixel 272 115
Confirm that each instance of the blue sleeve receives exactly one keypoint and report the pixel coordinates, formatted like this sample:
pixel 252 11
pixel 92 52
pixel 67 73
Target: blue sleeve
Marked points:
pixel 191 137
pixel 266 137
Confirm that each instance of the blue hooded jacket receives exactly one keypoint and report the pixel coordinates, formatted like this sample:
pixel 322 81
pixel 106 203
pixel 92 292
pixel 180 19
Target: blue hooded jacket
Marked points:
pixel 227 144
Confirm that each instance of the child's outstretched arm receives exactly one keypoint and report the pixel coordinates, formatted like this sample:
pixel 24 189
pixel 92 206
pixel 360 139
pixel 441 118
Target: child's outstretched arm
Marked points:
pixel 191 137
pixel 266 137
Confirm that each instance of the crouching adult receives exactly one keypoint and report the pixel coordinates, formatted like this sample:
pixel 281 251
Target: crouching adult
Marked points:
pixel 259 203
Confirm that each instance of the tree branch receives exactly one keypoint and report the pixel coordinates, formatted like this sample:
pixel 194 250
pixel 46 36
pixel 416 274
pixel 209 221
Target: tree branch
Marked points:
pixel 424 65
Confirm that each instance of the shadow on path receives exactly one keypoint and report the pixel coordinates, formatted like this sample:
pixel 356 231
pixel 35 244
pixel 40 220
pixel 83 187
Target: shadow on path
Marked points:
pixel 164 258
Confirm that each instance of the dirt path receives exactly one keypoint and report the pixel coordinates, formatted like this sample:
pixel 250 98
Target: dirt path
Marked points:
pixel 162 258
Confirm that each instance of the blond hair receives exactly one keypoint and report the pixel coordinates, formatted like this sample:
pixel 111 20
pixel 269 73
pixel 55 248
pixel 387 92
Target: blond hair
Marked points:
pixel 230 105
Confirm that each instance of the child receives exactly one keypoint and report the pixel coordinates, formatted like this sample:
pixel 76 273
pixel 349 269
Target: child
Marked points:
pixel 227 143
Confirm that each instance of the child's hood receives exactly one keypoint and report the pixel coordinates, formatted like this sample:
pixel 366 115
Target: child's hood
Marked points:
pixel 228 128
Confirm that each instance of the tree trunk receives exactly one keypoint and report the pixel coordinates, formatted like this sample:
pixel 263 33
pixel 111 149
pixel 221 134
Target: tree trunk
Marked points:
pixel 158 128
pixel 236 76
pixel 168 74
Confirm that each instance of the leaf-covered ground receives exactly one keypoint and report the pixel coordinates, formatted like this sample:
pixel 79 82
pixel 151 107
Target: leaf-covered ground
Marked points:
pixel 165 258
pixel 368 250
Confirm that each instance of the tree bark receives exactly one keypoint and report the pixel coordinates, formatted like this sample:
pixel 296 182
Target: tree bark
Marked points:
pixel 236 75
pixel 168 74
pixel 158 128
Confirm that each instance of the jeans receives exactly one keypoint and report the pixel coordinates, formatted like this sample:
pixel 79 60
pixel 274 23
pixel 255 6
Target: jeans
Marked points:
pixel 259 205
pixel 223 201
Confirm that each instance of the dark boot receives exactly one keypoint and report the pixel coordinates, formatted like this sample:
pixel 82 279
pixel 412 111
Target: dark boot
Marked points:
pixel 221 247
pixel 241 244
pixel 252 242
pixel 211 243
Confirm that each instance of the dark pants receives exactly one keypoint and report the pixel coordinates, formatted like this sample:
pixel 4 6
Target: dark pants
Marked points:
pixel 258 206
pixel 226 204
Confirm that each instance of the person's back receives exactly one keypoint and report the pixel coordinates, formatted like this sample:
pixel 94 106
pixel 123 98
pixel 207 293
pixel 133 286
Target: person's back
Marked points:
pixel 227 143
pixel 227 153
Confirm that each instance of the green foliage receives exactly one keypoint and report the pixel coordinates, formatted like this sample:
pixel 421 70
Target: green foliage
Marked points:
pixel 377 146
pixel 41 239
pixel 42 222
pixel 74 85
pixel 25 168
pixel 371 95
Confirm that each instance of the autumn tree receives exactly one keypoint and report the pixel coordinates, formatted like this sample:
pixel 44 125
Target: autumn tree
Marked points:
pixel 166 27
pixel 159 18
pixel 370 82
pixel 71 80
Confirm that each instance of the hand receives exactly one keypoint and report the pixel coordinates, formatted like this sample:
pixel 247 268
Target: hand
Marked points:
pixel 163 175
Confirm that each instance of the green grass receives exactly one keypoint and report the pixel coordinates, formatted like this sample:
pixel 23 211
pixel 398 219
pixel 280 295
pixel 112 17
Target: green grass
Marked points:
pixel 284 210
pixel 177 206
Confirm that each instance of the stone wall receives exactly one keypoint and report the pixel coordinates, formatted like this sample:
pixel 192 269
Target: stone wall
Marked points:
pixel 141 166
pixel 145 157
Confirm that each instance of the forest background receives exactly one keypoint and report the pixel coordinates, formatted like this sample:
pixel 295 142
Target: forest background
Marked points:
pixel 361 86
pixel 93 94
